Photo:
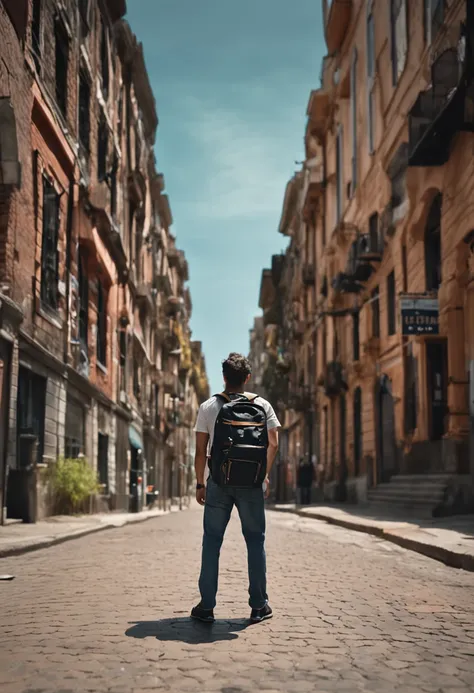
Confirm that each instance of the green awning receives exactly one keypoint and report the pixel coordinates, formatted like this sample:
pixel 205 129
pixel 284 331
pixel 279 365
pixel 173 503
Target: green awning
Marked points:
pixel 135 438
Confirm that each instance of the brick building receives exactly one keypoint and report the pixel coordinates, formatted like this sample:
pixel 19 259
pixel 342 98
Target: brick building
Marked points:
pixel 379 286
pixel 93 289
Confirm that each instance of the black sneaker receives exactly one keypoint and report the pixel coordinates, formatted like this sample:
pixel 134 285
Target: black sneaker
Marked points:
pixel 259 615
pixel 204 615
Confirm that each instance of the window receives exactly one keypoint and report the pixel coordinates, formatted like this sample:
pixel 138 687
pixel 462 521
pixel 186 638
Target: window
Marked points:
pixel 138 252
pixel 391 322
pixel 102 148
pixel 137 389
pixel 123 357
pixel 156 397
pixel 434 18
pixel 30 414
pixel 62 59
pixel 113 189
pixel 131 218
pixel 433 245
pixel 405 268
pixel 103 462
pixel 36 33
pixel 354 118
pixel 339 175
pixel 101 324
pixel 49 249
pixel 104 62
pixel 357 428
pixel 83 301
pixel 84 111
pixel 84 25
pixel 355 337
pixel 375 303
pixel 398 28
pixel 75 429
pixel 371 77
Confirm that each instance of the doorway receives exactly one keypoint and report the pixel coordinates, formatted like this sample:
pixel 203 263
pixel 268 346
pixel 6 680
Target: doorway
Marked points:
pixel 387 451
pixel 5 354
pixel 437 368
pixel 342 491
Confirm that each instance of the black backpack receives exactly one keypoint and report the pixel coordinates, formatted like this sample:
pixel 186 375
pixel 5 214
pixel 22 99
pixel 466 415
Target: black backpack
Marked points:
pixel 239 450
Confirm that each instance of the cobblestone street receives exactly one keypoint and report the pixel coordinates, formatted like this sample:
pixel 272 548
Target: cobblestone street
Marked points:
pixel 109 612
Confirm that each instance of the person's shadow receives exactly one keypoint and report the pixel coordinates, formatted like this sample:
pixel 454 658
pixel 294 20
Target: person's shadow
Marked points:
pixel 188 631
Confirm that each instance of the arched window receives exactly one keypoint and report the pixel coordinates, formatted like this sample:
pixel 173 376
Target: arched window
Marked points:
pixel 399 38
pixel 433 245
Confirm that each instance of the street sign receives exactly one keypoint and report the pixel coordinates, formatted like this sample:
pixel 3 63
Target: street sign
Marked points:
pixel 420 315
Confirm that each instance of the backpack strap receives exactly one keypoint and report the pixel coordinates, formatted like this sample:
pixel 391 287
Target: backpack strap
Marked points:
pixel 248 395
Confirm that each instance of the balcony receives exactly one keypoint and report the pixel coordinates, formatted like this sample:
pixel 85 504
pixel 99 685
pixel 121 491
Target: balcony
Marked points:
pixel 163 284
pixel 174 306
pixel 300 400
pixel 273 315
pixel 446 107
pixel 177 260
pixel 334 379
pixel 318 113
pixel 337 19
pixel 314 183
pixel 170 383
pixel 359 268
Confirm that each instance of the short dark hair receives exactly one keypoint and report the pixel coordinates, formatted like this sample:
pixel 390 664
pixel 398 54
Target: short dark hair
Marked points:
pixel 236 369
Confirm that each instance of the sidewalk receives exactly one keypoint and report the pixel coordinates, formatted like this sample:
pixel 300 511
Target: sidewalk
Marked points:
pixel 17 537
pixel 449 540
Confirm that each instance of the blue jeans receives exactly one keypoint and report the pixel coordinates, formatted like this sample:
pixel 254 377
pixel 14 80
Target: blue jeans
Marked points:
pixel 217 511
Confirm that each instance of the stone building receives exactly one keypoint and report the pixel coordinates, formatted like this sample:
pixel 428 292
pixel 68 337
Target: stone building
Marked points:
pixel 383 226
pixel 91 292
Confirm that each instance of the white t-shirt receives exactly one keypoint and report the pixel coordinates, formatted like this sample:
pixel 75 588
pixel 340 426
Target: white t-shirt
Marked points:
pixel 208 411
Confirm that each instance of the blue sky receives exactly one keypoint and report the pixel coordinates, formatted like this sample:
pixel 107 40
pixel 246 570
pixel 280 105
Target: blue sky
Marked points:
pixel 231 81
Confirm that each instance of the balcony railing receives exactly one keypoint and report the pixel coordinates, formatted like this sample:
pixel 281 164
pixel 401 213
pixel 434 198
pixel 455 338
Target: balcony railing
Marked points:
pixel 334 379
pixel 440 112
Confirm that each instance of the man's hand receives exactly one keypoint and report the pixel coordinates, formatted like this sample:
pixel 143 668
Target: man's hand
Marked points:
pixel 266 485
pixel 201 496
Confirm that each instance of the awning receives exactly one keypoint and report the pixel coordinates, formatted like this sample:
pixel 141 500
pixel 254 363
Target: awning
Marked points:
pixel 135 438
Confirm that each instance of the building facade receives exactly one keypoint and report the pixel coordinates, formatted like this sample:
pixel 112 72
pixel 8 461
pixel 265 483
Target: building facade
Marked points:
pixel 379 262
pixel 93 288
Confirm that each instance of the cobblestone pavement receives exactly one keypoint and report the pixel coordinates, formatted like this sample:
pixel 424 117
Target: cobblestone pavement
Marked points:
pixel 109 612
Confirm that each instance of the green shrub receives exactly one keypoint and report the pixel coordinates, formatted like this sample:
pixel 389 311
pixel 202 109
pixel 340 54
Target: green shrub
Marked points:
pixel 72 483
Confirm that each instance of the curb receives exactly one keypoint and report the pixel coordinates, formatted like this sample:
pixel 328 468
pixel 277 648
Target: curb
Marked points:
pixel 453 559
pixel 78 534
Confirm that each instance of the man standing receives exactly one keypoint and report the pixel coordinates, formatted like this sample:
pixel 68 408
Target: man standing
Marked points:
pixel 238 433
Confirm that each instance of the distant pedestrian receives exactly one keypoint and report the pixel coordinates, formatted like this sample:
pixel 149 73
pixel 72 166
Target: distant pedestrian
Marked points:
pixel 237 432
pixel 305 478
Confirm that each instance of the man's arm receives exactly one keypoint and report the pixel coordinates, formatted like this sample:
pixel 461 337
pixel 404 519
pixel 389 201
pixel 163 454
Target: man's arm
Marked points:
pixel 200 459
pixel 272 448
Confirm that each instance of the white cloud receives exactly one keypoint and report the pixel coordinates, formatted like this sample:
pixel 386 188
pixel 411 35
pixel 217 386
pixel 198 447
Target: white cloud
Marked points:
pixel 240 173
